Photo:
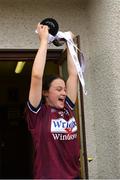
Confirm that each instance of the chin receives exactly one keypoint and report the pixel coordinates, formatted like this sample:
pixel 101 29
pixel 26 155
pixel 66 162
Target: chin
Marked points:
pixel 60 107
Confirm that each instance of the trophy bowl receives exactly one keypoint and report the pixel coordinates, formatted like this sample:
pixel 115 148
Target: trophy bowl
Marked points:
pixel 52 24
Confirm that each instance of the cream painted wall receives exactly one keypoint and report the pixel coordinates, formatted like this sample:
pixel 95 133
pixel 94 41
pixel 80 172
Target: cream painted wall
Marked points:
pixel 19 18
pixel 103 17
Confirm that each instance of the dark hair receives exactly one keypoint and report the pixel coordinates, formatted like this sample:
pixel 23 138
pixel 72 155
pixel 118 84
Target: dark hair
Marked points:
pixel 47 80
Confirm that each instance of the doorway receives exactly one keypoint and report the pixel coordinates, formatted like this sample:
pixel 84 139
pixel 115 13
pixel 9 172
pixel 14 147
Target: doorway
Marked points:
pixel 15 140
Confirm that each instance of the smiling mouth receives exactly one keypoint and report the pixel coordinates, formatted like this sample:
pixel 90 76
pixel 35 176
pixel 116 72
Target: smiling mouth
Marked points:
pixel 61 99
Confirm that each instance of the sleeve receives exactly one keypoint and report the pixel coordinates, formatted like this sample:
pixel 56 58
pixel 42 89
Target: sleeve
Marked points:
pixel 31 115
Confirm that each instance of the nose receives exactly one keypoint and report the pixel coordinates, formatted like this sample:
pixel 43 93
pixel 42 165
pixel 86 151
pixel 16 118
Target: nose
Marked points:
pixel 64 92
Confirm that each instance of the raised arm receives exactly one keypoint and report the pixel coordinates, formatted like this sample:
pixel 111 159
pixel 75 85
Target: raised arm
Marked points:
pixel 35 92
pixel 72 82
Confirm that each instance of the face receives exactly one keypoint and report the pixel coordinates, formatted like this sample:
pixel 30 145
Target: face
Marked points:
pixel 56 94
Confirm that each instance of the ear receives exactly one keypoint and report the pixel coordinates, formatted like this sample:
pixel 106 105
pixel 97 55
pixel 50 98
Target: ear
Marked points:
pixel 45 93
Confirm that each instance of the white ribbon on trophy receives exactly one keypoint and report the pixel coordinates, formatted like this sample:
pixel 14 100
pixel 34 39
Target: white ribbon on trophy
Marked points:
pixel 73 50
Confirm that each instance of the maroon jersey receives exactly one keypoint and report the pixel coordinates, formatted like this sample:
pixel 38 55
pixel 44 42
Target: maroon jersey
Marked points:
pixel 56 146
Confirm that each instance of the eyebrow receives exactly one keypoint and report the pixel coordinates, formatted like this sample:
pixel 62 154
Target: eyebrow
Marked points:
pixel 61 87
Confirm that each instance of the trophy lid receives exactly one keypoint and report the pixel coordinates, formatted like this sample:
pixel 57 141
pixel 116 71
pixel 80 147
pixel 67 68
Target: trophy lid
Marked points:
pixel 52 24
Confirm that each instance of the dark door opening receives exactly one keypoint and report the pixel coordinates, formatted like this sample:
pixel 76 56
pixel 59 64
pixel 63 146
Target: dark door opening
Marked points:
pixel 16 157
pixel 15 147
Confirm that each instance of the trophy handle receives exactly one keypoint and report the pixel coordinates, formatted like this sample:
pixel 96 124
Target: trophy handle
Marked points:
pixel 59 42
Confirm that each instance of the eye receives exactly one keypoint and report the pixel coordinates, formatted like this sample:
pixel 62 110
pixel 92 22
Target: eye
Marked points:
pixel 59 89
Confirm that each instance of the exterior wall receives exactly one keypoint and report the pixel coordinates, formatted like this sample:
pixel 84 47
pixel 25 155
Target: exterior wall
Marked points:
pixel 19 18
pixel 98 23
pixel 103 17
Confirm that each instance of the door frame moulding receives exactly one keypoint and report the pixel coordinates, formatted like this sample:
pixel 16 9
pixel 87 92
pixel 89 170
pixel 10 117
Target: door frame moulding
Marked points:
pixel 29 55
